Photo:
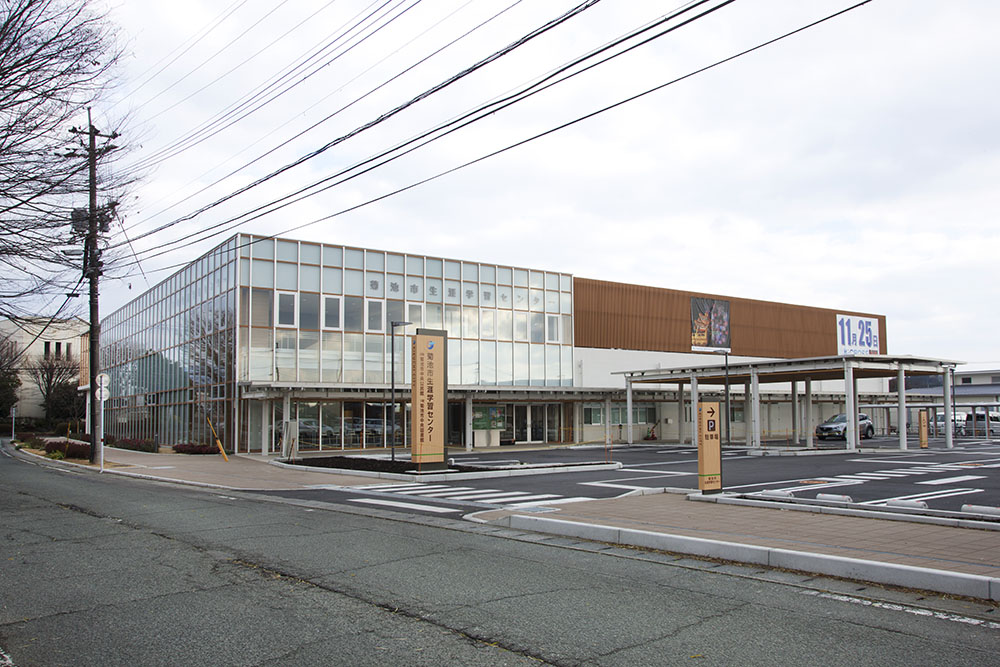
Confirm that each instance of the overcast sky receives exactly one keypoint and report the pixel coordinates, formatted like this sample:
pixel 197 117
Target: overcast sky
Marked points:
pixel 853 166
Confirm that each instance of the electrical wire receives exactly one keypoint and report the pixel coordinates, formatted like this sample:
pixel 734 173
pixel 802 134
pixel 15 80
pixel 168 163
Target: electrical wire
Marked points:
pixel 343 108
pixel 210 127
pixel 537 136
pixel 483 111
pixel 385 116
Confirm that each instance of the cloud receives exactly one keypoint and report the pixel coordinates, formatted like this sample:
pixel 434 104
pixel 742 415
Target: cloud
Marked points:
pixel 852 166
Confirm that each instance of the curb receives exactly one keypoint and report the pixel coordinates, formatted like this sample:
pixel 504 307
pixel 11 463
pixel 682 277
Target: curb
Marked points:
pixel 908 576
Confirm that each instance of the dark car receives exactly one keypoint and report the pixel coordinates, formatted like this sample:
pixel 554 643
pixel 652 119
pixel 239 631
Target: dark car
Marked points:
pixel 836 427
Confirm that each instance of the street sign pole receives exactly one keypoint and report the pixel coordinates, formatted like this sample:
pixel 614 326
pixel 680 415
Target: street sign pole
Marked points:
pixel 709 448
pixel 103 393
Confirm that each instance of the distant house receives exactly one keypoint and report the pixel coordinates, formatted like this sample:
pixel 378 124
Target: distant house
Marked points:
pixel 34 338
pixel 973 389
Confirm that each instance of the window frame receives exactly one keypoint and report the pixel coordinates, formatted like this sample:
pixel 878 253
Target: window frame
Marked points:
pixel 277 309
pixel 340 313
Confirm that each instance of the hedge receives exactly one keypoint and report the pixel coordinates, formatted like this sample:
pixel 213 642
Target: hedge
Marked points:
pixel 191 448
pixel 68 449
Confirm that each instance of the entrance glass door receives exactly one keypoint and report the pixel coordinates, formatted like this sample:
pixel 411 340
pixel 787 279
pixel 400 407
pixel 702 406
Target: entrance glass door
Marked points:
pixel 537 423
pixel 552 423
pixel 520 423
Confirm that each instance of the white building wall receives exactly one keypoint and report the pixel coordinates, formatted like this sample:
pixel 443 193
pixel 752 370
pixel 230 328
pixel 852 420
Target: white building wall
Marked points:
pixel 596 368
pixel 599 368
pixel 34 335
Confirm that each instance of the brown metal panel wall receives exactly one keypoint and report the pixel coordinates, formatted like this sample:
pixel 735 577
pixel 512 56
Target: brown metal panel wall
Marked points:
pixel 636 317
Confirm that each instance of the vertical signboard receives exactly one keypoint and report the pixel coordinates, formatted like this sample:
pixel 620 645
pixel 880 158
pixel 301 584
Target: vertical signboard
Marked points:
pixel 857 335
pixel 428 389
pixel 709 448
pixel 709 325
pixel 924 428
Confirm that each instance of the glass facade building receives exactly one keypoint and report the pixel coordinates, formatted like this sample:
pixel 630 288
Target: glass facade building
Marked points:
pixel 262 331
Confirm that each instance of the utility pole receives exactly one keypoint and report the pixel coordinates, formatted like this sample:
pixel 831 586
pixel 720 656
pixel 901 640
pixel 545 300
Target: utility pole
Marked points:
pixel 92 269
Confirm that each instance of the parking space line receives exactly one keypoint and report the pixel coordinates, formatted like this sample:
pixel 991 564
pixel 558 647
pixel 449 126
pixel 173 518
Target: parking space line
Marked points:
pixel 952 480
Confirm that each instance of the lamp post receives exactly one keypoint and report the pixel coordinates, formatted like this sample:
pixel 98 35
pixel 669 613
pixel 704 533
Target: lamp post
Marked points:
pixel 392 372
pixel 726 352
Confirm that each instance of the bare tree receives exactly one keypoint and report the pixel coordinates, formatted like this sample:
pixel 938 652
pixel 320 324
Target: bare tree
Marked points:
pixel 56 58
pixel 49 374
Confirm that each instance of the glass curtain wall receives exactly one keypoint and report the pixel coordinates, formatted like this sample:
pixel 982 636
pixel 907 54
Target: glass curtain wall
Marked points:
pixel 171 357
pixel 291 314
pixel 321 314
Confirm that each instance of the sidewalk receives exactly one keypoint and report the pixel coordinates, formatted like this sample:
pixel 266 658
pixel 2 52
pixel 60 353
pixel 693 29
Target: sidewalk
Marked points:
pixel 947 559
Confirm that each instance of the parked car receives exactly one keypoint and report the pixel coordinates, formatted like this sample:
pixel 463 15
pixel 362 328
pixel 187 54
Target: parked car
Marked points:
pixel 979 426
pixel 309 431
pixel 836 427
pixel 957 423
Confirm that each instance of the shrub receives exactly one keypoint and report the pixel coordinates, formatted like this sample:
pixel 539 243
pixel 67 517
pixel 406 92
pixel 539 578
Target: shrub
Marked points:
pixel 191 448
pixel 61 429
pixel 136 444
pixel 66 449
pixel 55 455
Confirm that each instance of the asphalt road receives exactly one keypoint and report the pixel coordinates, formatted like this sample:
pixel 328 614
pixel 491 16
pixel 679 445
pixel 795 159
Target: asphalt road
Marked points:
pixel 103 570
pixel 944 479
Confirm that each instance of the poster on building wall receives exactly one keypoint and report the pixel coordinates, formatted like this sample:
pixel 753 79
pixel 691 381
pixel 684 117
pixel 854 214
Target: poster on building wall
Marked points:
pixel 428 389
pixel 857 335
pixel 488 418
pixel 709 325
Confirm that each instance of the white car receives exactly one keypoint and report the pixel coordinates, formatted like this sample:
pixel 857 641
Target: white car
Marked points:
pixel 957 423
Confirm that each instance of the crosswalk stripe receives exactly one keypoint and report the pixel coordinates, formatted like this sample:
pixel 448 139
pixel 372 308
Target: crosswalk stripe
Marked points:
pixel 541 496
pixel 509 495
pixel 401 505
pixel 424 489
pixel 457 491
pixel 376 487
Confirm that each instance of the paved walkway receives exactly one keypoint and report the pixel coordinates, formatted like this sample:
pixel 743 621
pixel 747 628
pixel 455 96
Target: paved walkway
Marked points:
pixel 943 558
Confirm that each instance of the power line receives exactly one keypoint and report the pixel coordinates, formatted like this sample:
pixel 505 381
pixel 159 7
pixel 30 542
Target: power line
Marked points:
pixel 182 49
pixel 387 115
pixel 210 127
pixel 476 114
pixel 535 137
pixel 343 108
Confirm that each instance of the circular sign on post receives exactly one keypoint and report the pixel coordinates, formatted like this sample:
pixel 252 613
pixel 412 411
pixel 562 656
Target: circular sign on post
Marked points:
pixel 103 393
pixel 103 380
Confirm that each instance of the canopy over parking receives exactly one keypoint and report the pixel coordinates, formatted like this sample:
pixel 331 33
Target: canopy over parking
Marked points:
pixel 752 374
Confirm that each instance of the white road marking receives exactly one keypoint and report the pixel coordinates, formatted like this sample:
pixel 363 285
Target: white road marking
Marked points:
pixel 432 489
pixel 931 495
pixel 662 473
pixel 374 487
pixel 866 475
pixel 424 489
pixel 409 506
pixel 560 501
pixel 916 611
pixel 952 480
pixel 609 485
pixel 491 495
pixel 457 490
pixel 540 497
